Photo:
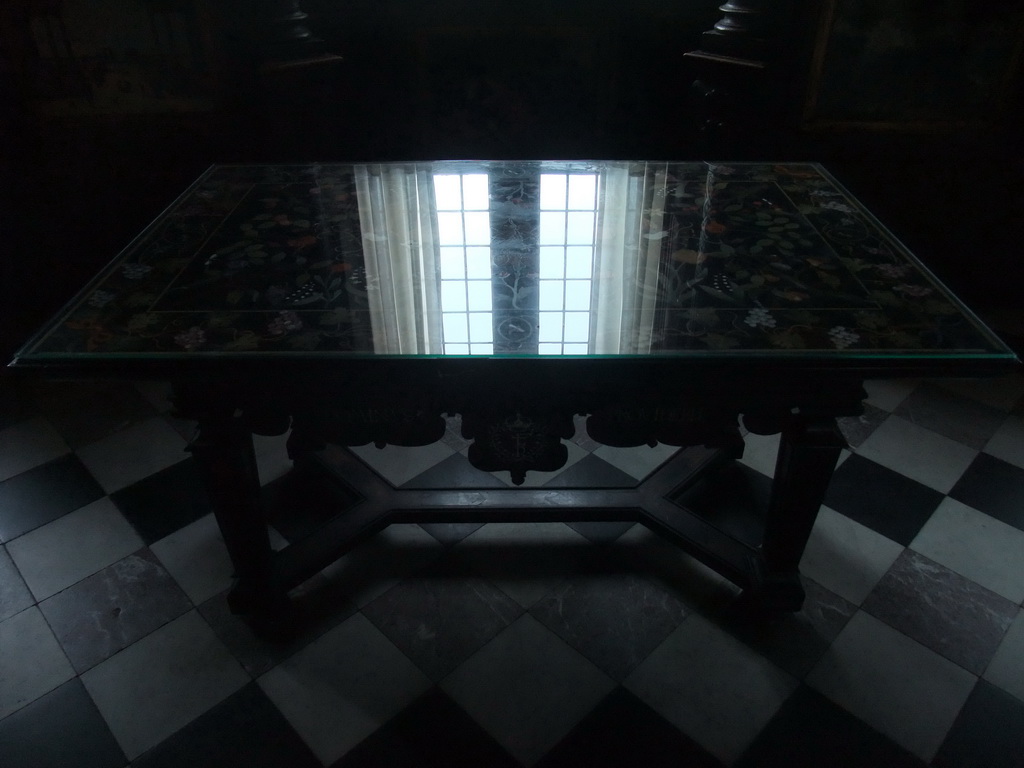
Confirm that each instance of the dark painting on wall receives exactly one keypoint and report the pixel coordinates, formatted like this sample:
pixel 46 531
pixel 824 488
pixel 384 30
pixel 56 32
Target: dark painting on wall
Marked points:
pixel 914 63
pixel 94 57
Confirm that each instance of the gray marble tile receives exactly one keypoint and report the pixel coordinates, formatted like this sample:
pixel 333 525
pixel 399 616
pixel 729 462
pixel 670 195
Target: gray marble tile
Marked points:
pixel 857 429
pixel 961 418
pixel 58 554
pixel 942 610
pixel 793 641
pixel 440 619
pixel 614 619
pixel 113 608
pixel 14 595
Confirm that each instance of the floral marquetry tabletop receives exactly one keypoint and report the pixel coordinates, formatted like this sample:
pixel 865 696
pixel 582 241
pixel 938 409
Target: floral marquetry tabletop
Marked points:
pixel 515 258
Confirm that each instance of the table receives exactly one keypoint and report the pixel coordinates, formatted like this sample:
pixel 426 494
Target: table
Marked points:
pixel 668 302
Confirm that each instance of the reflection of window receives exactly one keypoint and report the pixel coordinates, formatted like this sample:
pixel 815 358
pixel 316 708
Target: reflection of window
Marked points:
pixel 464 240
pixel 568 211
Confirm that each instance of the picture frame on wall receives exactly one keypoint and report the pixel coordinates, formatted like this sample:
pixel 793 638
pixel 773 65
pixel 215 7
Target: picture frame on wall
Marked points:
pixel 913 64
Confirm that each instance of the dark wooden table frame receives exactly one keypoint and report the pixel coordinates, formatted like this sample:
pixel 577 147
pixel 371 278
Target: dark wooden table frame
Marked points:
pixel 802 410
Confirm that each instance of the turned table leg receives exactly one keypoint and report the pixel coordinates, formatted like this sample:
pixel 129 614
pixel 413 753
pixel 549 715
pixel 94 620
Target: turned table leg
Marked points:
pixel 807 456
pixel 224 453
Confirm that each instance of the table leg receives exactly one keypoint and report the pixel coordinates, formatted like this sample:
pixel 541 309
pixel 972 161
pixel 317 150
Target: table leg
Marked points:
pixel 807 456
pixel 224 453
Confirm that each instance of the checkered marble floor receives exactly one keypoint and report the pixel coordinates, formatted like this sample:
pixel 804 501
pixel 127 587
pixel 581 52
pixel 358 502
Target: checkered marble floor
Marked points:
pixel 504 645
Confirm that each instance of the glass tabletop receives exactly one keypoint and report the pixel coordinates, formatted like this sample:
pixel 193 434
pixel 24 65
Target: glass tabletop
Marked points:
pixel 545 258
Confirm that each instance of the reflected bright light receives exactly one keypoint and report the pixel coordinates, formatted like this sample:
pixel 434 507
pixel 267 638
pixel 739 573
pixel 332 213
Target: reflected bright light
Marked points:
pixel 566 241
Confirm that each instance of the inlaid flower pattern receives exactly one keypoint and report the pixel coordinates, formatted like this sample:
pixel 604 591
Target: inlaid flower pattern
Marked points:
pixel 738 258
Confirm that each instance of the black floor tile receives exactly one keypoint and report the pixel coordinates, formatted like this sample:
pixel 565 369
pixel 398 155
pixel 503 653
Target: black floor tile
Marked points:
pixel 43 494
pixel 450 534
pixel 432 732
pixel 881 499
pixel 244 731
pixel 988 732
pixel 454 472
pixel 614 619
pixel 110 610
pixel 15 405
pixel 61 729
pixel 164 502
pixel 942 610
pixel 809 731
pixel 994 487
pixel 601 533
pixel 622 732
pixel 592 472
pixel 439 620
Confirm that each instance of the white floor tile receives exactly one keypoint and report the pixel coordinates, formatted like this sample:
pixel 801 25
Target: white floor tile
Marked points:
pixel 918 453
pixel 985 550
pixel 28 444
pixel 637 462
pixel 133 453
pixel 61 553
pixel 893 683
pixel 527 688
pixel 1007 666
pixel 846 557
pixel 164 681
pixel 760 452
pixel 197 559
pixel 31 661
pixel 271 456
pixel 1008 442
pixel 887 394
pixel 398 464
pixel 524 560
pixel 343 686
pixel 711 686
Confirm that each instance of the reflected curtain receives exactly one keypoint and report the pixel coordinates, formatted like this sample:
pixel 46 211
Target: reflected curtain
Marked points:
pixel 628 257
pixel 399 231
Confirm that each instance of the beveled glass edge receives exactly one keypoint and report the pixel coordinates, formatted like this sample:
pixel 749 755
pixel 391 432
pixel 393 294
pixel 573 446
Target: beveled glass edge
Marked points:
pixel 25 357
pixel 949 294
pixel 83 295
